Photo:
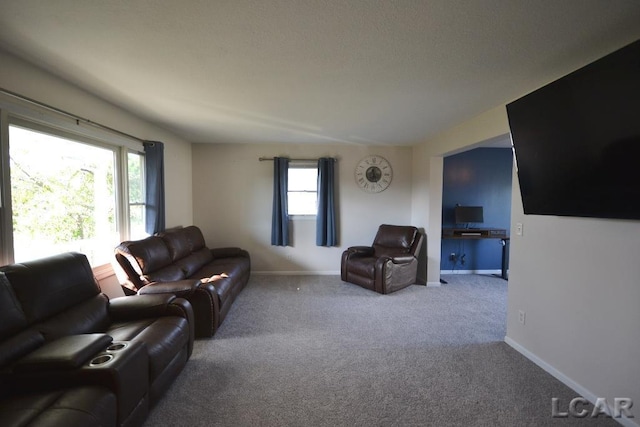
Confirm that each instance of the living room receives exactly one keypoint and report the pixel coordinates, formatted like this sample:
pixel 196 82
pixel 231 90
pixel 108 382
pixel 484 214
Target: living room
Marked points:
pixel 575 278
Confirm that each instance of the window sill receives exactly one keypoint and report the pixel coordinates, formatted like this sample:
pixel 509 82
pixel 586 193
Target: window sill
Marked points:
pixel 302 217
pixel 101 272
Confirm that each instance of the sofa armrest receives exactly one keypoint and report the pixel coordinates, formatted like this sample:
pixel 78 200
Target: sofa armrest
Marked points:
pixel 141 306
pixel 182 308
pixel 229 252
pixel 180 288
pixel 360 250
pixel 396 260
pixel 405 259
pixel 156 305
pixel 65 353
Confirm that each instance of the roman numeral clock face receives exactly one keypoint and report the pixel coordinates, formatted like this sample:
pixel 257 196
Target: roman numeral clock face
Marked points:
pixel 373 174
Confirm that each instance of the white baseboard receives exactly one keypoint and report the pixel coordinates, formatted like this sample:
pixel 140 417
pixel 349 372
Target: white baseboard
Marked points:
pixel 575 386
pixel 470 271
pixel 433 284
pixel 296 273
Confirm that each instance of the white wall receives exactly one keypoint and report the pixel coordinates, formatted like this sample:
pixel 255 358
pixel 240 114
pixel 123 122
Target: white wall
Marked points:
pixel 232 194
pixel 578 281
pixel 24 79
pixel 426 207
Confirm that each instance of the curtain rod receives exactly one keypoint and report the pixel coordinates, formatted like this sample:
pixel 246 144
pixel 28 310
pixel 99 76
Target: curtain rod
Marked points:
pixel 70 115
pixel 265 159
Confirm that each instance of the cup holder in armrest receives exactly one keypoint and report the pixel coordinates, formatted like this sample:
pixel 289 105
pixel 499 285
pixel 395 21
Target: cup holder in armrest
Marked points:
pixel 117 346
pixel 112 351
pixel 101 360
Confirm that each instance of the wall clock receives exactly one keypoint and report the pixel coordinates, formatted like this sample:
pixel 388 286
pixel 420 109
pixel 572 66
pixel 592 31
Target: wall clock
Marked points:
pixel 373 174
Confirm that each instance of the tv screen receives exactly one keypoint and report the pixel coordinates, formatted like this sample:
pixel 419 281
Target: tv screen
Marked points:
pixel 468 214
pixel 577 141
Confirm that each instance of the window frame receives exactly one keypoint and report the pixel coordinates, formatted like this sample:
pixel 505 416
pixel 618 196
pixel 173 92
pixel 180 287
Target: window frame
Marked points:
pixel 303 164
pixel 127 197
pixel 24 114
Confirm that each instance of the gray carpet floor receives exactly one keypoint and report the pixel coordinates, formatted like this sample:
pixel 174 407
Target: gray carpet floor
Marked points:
pixel 315 351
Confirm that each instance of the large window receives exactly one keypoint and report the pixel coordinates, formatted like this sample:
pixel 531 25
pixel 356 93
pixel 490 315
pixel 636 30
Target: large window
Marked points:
pixel 69 193
pixel 62 196
pixel 302 192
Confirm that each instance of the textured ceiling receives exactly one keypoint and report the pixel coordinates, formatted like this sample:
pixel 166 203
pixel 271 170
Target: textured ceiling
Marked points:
pixel 313 71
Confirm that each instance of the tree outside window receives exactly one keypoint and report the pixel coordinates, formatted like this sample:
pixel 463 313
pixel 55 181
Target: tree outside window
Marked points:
pixel 63 196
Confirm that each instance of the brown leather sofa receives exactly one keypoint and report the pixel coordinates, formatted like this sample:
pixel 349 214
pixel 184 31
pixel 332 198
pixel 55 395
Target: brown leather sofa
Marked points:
pixel 389 264
pixel 175 261
pixel 70 356
pixel 76 406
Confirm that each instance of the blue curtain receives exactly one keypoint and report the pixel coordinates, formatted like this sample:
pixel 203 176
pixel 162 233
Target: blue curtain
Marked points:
pixel 154 173
pixel 326 230
pixel 280 215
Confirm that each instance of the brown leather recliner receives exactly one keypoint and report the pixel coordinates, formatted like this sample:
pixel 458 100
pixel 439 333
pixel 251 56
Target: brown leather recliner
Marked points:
pixel 389 264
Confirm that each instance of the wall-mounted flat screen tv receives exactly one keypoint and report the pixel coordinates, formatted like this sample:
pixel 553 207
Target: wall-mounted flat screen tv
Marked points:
pixel 577 141
pixel 469 215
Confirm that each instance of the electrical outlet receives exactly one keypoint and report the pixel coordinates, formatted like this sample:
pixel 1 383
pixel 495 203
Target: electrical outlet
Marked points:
pixel 522 316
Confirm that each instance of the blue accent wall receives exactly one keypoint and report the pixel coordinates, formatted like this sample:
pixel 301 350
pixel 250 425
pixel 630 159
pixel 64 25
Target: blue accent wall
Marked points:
pixel 478 177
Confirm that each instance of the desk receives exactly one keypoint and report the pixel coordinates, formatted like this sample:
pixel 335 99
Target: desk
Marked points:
pixel 482 233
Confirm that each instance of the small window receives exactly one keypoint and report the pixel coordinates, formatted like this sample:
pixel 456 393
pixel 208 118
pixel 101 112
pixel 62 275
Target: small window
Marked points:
pixel 303 189
pixel 135 172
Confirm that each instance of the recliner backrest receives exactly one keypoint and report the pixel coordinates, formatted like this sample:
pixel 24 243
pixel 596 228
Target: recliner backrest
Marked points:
pixel 12 318
pixel 187 248
pixel 170 255
pixel 44 299
pixel 177 242
pixel 396 240
pixel 15 339
pixel 51 285
pixel 147 260
pixel 146 255
pixel 195 237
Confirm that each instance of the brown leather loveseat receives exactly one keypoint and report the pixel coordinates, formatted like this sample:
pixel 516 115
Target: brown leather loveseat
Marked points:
pixel 175 261
pixel 70 356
